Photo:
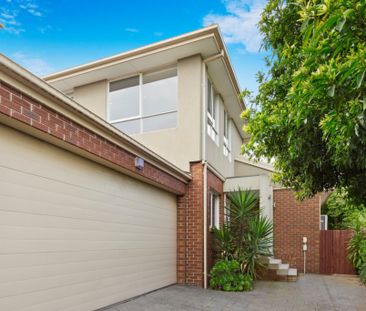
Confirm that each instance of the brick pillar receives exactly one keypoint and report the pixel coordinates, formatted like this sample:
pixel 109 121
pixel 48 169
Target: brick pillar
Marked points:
pixel 294 220
pixel 190 230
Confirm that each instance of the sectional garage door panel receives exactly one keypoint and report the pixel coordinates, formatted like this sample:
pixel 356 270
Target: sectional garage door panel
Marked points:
pixel 75 235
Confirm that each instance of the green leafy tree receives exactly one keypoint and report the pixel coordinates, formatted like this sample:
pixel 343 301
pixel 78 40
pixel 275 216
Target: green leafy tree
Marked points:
pixel 342 212
pixel 309 114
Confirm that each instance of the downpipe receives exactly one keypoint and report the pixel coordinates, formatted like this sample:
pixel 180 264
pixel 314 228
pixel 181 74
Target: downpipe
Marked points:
pixel 205 224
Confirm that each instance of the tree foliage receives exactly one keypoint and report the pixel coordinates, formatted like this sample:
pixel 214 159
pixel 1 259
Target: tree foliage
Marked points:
pixel 342 212
pixel 310 111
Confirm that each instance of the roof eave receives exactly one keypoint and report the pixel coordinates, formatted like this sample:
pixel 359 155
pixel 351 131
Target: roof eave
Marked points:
pixel 37 83
pixel 151 48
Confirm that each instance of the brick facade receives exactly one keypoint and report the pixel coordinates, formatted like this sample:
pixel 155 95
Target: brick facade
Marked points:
pixel 19 106
pixel 294 220
pixel 190 230
pixel 190 238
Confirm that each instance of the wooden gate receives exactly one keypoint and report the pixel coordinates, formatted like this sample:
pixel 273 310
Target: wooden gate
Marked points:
pixel 333 252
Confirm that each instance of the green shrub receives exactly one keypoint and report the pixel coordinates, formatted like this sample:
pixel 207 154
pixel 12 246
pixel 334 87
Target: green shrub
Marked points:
pixel 357 248
pixel 247 236
pixel 226 275
pixel 363 273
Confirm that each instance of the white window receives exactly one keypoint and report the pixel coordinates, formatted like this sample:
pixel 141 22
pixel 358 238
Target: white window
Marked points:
pixel 226 209
pixel 227 136
pixel 144 103
pixel 212 115
pixel 214 210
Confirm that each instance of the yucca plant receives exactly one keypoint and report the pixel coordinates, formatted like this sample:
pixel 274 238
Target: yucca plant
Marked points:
pixel 224 242
pixel 258 244
pixel 247 236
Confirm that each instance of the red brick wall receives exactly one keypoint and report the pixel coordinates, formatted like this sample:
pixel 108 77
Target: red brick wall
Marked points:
pixel 190 230
pixel 17 105
pixel 294 220
pixel 190 251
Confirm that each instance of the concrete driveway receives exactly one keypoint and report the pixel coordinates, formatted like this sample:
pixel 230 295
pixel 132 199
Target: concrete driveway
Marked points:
pixel 310 292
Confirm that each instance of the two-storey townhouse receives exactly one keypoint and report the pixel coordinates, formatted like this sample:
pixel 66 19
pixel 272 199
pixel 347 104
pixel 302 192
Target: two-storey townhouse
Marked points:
pixel 180 98
pixel 112 174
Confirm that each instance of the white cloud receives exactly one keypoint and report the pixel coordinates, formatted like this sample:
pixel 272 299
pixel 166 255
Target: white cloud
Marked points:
pixel 239 24
pixel 8 18
pixel 11 14
pixel 129 29
pixel 31 7
pixel 45 29
pixel 35 65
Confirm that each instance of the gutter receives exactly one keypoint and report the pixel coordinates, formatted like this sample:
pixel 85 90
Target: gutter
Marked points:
pixel 214 57
pixel 144 50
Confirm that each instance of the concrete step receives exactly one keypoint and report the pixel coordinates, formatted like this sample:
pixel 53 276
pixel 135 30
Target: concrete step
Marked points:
pixel 283 269
pixel 292 272
pixel 278 271
pixel 292 275
pixel 274 264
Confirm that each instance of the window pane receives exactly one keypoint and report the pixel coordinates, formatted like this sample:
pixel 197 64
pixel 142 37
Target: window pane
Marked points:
pixel 209 97
pixel 159 92
pixel 211 210
pixel 215 99
pixel 217 211
pixel 129 127
pixel 164 121
pixel 124 98
pixel 225 125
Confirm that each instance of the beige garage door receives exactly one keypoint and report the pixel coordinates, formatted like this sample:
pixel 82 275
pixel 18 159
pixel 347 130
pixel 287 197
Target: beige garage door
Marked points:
pixel 75 235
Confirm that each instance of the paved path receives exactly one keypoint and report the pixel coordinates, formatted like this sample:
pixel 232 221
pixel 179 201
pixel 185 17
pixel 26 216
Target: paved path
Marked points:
pixel 310 292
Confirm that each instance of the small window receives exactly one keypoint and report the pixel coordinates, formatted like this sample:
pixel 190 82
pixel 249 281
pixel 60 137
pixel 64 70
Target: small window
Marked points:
pixel 214 210
pixel 212 124
pixel 227 136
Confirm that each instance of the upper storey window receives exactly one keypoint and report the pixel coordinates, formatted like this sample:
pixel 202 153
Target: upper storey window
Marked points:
pixel 143 103
pixel 227 136
pixel 212 115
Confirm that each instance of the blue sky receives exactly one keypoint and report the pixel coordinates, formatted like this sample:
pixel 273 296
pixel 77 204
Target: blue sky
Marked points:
pixel 47 36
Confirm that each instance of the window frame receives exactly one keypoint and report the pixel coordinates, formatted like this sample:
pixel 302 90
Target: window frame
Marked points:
pixel 214 204
pixel 227 136
pixel 226 209
pixel 212 118
pixel 140 116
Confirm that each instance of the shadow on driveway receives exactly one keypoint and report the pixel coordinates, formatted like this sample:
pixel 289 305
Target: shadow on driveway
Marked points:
pixel 310 292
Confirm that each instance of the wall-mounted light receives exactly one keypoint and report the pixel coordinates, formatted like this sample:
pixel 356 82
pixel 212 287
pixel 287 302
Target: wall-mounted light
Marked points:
pixel 139 163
